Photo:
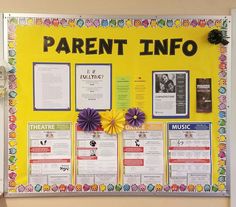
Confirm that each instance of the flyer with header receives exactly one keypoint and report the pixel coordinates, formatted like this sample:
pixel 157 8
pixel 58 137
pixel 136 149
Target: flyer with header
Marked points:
pixel 143 154
pixel 189 153
pixel 50 153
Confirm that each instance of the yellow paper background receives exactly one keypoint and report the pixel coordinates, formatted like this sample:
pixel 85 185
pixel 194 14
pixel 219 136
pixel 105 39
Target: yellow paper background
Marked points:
pixel 29 49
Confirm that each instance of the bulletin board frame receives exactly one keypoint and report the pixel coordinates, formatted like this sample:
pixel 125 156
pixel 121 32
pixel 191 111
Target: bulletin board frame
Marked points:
pixel 2 112
pixel 203 194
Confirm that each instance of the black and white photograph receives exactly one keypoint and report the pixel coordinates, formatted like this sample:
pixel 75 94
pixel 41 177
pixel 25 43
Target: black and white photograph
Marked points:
pixel 165 83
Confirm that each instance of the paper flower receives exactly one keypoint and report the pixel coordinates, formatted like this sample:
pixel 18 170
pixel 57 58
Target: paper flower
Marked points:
pixel 135 117
pixel 216 37
pixel 113 122
pixel 88 119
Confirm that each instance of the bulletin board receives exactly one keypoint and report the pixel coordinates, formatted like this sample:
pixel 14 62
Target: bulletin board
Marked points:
pixel 117 105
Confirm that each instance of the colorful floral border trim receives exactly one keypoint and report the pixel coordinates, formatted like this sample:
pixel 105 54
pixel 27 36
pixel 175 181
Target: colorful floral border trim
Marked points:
pixel 222 105
pixel 115 23
pixel 12 94
pixel 134 22
pixel 116 188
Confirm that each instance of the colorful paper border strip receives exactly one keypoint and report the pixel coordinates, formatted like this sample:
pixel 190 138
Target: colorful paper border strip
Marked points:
pixel 129 22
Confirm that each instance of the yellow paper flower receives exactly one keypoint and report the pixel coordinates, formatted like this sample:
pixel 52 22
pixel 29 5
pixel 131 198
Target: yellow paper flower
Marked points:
pixel 113 121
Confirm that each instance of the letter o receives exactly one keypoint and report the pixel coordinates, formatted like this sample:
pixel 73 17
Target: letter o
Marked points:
pixel 186 50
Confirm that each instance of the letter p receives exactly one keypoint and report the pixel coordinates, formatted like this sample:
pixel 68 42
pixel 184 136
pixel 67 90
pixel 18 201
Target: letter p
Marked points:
pixel 48 42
